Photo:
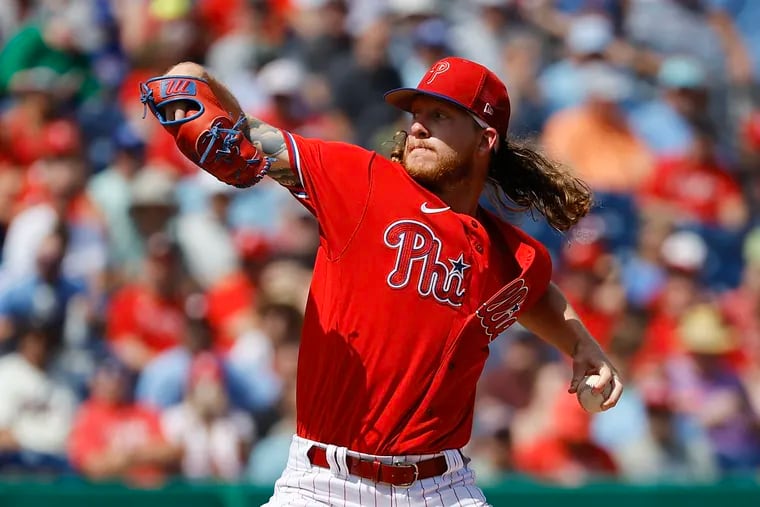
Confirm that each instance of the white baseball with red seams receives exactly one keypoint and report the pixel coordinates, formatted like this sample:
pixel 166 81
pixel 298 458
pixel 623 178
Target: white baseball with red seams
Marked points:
pixel 589 400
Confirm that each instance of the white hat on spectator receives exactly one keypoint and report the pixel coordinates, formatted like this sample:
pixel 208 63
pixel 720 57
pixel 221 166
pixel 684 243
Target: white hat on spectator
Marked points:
pixel 682 72
pixel 153 186
pixel 589 34
pixel 604 82
pixel 283 76
pixel 413 7
pixel 684 250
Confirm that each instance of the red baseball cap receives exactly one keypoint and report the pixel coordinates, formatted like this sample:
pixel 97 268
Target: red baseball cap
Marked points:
pixel 206 366
pixel 465 83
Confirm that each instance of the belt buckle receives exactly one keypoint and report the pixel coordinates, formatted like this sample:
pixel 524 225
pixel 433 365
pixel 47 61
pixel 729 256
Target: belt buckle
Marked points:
pixel 416 473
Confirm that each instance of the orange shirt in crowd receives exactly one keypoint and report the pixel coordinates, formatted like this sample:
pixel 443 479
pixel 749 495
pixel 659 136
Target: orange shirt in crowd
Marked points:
pixel 609 157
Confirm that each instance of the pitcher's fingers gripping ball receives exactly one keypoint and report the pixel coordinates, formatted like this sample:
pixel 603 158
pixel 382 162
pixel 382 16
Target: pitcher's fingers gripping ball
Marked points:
pixel 590 400
pixel 207 134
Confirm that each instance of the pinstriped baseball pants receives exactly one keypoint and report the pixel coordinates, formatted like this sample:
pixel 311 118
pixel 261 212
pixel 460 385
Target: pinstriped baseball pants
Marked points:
pixel 302 484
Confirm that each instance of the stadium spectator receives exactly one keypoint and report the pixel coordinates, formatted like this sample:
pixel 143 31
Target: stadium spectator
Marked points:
pixel 265 358
pixel 522 57
pixel 696 187
pixel 214 438
pixel 163 381
pixel 565 454
pixel 233 299
pixel 740 308
pixel 55 192
pixel 359 81
pixel 111 191
pixel 708 386
pixel 116 438
pixel 563 83
pixel 684 254
pixel 205 237
pixel 293 100
pixel 146 317
pixel 153 204
pixel 57 41
pixel 46 292
pixel 36 409
pixel 664 122
pixel 595 138
pixel 60 300
pixel 591 279
pixel 674 448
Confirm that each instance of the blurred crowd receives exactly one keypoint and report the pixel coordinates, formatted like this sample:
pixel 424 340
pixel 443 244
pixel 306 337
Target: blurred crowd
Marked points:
pixel 150 316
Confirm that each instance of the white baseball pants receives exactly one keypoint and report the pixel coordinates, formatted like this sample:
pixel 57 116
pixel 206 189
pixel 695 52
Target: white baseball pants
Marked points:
pixel 302 484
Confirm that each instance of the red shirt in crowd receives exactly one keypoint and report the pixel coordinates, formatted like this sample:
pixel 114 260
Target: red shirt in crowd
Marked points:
pixel 697 189
pixel 565 453
pixel 135 312
pixel 228 300
pixel 100 427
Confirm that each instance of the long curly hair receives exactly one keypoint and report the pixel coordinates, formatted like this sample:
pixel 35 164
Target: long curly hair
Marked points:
pixel 524 180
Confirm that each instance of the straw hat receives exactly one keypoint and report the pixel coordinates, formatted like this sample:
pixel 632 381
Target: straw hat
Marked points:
pixel 703 331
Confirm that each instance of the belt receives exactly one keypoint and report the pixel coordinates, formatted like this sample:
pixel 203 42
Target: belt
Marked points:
pixel 397 474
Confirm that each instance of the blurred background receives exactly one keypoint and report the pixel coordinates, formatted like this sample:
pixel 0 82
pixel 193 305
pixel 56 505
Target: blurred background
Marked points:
pixel 150 316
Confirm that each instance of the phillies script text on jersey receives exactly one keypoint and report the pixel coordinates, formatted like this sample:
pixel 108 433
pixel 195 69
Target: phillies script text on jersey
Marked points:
pixel 405 298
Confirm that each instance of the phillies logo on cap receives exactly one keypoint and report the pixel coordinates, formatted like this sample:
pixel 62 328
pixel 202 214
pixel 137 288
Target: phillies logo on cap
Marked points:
pixel 437 69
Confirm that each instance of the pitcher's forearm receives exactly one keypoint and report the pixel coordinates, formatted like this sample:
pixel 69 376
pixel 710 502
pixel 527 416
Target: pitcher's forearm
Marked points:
pixel 554 320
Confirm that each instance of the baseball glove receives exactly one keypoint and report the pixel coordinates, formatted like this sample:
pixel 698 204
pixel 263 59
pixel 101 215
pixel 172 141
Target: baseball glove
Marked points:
pixel 208 135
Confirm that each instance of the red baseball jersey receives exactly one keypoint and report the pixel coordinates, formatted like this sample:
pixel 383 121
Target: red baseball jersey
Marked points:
pixel 406 297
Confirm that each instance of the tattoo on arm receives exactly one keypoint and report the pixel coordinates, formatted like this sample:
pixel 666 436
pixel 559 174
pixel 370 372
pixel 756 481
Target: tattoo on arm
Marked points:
pixel 271 142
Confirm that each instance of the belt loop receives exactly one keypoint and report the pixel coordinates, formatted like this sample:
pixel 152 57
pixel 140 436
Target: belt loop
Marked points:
pixel 340 460
pixel 336 458
pixel 454 460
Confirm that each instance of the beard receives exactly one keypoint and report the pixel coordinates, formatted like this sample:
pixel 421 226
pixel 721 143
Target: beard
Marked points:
pixel 440 173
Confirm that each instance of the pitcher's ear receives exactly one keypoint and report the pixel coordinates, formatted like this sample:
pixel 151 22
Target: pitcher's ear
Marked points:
pixel 489 140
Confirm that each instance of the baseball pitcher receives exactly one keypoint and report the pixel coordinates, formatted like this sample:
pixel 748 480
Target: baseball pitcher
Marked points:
pixel 413 279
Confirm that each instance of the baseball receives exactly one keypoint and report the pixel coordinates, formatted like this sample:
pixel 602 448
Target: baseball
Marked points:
pixel 590 401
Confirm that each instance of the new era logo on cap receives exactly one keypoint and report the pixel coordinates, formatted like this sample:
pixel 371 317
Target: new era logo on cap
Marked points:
pixel 464 83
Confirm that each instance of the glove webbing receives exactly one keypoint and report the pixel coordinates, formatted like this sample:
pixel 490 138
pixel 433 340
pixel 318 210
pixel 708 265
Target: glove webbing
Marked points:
pixel 229 142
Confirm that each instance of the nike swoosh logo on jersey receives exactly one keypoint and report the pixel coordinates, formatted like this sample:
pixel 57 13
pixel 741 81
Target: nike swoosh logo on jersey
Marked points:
pixel 424 208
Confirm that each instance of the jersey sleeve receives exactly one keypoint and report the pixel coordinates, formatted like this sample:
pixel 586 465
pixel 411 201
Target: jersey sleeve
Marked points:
pixel 335 185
